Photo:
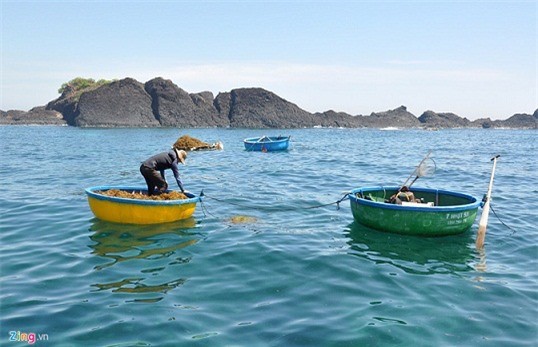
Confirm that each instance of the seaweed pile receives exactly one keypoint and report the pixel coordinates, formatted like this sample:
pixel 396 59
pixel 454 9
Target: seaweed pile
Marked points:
pixel 188 143
pixel 173 195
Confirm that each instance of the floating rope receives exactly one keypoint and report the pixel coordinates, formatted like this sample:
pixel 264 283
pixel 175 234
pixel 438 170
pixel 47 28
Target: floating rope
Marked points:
pixel 484 199
pixel 337 202
pixel 204 209
pixel 495 213
pixel 346 196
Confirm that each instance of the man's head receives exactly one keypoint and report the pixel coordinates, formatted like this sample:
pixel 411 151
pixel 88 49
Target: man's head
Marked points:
pixel 181 155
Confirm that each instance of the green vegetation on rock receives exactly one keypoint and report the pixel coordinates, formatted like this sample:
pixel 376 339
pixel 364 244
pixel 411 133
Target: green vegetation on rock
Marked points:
pixel 79 85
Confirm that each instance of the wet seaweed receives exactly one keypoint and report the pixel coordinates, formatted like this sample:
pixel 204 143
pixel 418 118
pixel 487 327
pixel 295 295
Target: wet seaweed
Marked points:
pixel 143 196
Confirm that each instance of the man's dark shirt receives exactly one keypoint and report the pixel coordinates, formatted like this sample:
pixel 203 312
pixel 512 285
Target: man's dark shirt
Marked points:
pixel 164 161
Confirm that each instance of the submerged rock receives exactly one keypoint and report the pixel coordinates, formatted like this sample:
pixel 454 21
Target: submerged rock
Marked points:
pixel 243 219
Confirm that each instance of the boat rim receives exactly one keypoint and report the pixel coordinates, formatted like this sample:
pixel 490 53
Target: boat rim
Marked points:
pixel 91 192
pixel 473 202
pixel 254 140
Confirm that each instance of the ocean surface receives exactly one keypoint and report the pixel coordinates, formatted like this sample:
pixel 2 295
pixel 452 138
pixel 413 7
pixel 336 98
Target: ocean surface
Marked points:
pixel 268 258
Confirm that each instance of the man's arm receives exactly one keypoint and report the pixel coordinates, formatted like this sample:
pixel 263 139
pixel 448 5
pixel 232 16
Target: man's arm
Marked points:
pixel 175 170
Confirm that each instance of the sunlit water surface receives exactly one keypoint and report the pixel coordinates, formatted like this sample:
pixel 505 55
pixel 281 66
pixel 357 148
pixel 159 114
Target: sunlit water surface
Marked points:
pixel 261 263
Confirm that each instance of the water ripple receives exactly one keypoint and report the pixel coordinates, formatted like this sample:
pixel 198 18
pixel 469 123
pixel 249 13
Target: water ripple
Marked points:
pixel 257 266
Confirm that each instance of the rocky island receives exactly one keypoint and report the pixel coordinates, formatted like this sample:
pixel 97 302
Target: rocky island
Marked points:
pixel 161 103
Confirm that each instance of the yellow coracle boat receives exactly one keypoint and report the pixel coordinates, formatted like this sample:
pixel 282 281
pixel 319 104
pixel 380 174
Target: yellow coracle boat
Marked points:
pixel 138 211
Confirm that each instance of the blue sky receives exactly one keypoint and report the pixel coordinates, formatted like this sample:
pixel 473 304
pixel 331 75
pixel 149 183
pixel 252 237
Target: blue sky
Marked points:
pixel 474 58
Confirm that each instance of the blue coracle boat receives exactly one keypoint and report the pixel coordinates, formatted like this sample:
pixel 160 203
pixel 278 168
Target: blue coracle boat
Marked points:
pixel 267 143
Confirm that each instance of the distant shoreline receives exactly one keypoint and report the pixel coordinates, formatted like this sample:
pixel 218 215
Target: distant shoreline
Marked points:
pixel 161 103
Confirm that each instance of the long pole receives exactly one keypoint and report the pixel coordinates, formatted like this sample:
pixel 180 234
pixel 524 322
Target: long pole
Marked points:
pixel 483 224
pixel 415 172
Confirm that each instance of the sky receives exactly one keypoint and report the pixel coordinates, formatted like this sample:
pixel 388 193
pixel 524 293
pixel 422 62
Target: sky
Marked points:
pixel 476 59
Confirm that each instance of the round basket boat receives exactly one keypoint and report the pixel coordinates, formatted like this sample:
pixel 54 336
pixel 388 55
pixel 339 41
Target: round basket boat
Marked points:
pixel 267 143
pixel 138 211
pixel 442 213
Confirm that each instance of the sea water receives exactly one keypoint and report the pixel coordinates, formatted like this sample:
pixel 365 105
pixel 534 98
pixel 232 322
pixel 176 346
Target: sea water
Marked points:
pixel 269 258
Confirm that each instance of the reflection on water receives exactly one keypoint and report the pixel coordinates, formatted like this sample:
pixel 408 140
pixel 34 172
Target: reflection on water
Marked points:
pixel 158 245
pixel 413 254
pixel 480 266
pixel 135 285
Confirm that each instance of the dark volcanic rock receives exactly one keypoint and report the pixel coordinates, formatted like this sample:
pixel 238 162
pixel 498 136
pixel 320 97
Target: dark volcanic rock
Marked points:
pixel 159 102
pixel 223 103
pixel 173 106
pixel 430 119
pixel 337 119
pixel 484 123
pixel 36 116
pixel 122 103
pixel 517 121
pixel 398 117
pixel 66 104
pixel 520 121
pixel 259 108
pixel 205 103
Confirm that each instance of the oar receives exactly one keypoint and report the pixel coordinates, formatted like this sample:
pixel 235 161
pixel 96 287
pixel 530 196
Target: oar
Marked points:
pixel 482 225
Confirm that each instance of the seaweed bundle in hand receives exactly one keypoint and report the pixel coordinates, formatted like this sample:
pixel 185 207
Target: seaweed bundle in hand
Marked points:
pixel 173 195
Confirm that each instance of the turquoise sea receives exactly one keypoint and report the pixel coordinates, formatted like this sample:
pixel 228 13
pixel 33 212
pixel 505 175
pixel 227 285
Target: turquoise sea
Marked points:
pixel 293 273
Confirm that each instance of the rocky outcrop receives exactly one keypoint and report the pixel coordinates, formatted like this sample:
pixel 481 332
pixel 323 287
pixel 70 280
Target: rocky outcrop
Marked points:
pixel 66 104
pixel 223 104
pixel 517 121
pixel 338 120
pixel 484 123
pixel 122 103
pixel 259 108
pixel 430 119
pixel 399 117
pixel 520 120
pixel 36 116
pixel 159 102
pixel 172 106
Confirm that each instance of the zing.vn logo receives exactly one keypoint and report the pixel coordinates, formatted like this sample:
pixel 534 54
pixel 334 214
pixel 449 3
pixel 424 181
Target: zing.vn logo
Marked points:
pixel 31 338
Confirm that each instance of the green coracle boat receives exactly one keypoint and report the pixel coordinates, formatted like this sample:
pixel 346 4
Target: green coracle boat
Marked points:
pixel 442 213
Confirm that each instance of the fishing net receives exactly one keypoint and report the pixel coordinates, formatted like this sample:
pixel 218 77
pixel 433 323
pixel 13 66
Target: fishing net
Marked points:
pixel 426 168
